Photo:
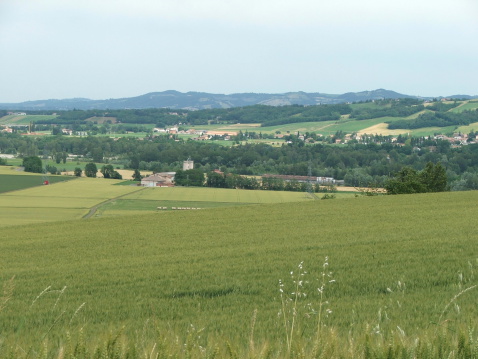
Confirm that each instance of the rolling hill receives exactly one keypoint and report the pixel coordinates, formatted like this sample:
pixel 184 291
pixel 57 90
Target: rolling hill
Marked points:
pixel 202 100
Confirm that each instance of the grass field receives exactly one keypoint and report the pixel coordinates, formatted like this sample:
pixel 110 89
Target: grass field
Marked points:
pixel 469 128
pixel 56 202
pixel 23 120
pixel 467 105
pixel 149 199
pixel 78 196
pixel 13 182
pixel 371 126
pixel 396 261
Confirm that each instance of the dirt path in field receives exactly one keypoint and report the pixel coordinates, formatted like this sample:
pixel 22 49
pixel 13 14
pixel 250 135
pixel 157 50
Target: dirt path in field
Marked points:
pixel 460 105
pixel 93 209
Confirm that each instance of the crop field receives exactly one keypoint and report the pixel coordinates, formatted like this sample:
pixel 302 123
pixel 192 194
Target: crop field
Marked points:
pixel 469 128
pixel 56 202
pixel 13 182
pixel 370 126
pixel 149 199
pixel 397 268
pixel 78 196
pixel 466 106
pixel 216 195
pixel 23 120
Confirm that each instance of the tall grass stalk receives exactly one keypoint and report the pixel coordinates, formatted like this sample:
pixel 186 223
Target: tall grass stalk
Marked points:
pixel 290 315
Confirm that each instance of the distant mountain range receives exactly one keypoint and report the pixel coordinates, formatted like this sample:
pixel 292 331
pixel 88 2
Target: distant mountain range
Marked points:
pixel 202 100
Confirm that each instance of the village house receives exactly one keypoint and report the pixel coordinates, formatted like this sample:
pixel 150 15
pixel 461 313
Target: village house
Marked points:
pixel 161 179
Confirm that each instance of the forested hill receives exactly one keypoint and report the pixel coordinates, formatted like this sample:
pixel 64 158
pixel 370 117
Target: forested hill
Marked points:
pixel 203 100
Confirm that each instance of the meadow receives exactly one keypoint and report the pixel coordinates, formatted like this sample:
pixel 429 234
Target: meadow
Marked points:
pixel 327 128
pixel 466 106
pixel 60 201
pixel 23 120
pixel 385 276
pixel 149 199
pixel 14 182
pixel 26 200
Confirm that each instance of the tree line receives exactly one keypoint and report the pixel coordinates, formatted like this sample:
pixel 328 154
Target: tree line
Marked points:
pixel 357 164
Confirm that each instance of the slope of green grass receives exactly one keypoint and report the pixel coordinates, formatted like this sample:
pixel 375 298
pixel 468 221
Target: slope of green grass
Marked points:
pixel 396 262
pixel 58 201
pixel 468 105
pixel 12 182
pixel 23 120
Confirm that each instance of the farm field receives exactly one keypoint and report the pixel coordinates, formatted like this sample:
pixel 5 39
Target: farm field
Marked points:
pixel 77 196
pixel 216 195
pixel 371 126
pixel 469 128
pixel 465 106
pixel 57 202
pixel 396 263
pixel 13 182
pixel 23 120
pixel 149 199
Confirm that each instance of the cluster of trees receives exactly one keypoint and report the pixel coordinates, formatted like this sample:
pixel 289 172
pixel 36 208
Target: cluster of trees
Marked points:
pixel 388 108
pixel 91 170
pixel 32 164
pixel 437 119
pixel 218 179
pixel 193 177
pixel 133 120
pixel 432 178
pixel 357 164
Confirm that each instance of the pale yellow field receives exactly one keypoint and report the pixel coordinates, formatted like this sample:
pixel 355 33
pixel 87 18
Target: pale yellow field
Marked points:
pixel 382 129
pixel 216 195
pixel 467 129
pixel 96 189
pixel 11 170
pixel 60 201
pixel 127 174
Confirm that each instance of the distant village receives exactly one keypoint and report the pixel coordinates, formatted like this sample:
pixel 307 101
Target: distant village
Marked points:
pixel 457 139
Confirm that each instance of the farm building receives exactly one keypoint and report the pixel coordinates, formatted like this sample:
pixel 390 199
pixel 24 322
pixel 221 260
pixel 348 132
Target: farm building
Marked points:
pixel 188 165
pixel 162 179
pixel 318 180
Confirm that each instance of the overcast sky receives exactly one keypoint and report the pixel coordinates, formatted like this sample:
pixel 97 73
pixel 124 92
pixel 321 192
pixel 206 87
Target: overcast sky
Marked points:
pixel 103 49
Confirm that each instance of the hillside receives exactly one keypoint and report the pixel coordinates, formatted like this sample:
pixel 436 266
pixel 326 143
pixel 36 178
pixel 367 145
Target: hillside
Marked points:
pixel 202 100
pixel 394 262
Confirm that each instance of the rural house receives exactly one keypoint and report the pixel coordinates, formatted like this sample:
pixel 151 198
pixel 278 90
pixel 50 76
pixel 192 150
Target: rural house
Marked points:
pixel 162 179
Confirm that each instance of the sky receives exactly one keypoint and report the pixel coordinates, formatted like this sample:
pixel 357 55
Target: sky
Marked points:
pixel 100 49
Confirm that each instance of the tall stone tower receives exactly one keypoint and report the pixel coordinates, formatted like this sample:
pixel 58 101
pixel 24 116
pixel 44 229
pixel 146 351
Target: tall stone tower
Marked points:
pixel 188 164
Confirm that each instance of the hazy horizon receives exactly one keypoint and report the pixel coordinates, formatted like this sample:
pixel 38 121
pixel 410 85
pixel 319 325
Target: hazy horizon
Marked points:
pixel 216 93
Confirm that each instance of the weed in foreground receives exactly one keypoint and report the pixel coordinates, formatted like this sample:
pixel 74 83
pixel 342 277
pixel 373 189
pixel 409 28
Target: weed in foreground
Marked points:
pixel 294 308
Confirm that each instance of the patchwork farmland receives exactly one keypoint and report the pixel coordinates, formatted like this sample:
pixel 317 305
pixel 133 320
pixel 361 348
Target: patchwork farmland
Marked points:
pixel 400 270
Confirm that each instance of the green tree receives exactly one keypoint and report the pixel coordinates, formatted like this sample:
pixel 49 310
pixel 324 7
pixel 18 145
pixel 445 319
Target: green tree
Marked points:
pixel 33 164
pixel 194 177
pixel 77 172
pixel 405 181
pixel 91 169
pixel 216 180
pixel 432 179
pixel 137 175
pixel 108 171
pixel 97 154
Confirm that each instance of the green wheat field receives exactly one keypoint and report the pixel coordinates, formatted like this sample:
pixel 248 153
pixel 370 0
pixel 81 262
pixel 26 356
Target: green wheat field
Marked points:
pixel 361 277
